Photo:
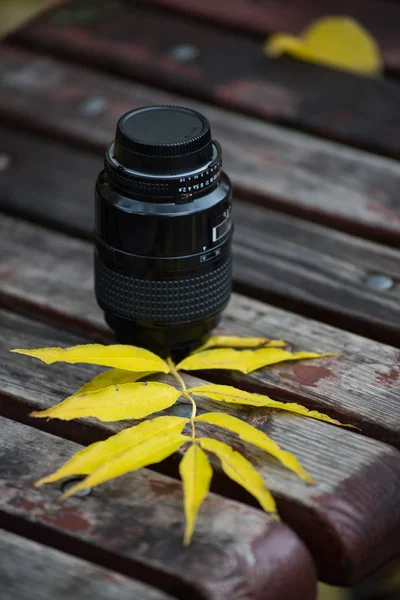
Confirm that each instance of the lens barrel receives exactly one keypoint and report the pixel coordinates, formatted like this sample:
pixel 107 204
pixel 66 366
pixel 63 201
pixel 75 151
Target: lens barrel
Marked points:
pixel 163 264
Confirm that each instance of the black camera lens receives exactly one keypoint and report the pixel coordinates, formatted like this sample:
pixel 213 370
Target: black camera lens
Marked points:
pixel 163 264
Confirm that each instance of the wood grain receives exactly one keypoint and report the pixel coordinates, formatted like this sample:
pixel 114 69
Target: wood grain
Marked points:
pixel 229 68
pixel 349 520
pixel 381 19
pixel 26 566
pixel 135 525
pixel 278 258
pixel 292 172
pixel 51 276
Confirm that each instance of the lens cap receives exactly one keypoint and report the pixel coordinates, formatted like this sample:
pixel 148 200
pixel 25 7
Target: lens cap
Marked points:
pixel 163 139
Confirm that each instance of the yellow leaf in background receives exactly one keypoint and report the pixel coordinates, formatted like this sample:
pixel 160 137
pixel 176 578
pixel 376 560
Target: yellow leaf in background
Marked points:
pixel 115 403
pixel 254 436
pixel 14 13
pixel 230 341
pixel 196 474
pixel 227 393
pixel 244 361
pixel 129 358
pixel 240 470
pixel 89 459
pixel 339 42
pixel 112 377
pixel 151 450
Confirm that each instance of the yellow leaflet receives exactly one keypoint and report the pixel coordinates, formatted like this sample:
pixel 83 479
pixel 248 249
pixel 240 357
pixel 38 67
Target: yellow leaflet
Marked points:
pixel 112 377
pixel 240 470
pixel 254 436
pixel 339 42
pixel 227 393
pixel 272 356
pixel 196 474
pixel 115 403
pixel 88 460
pixel 129 358
pixel 245 361
pixel 148 452
pixel 230 341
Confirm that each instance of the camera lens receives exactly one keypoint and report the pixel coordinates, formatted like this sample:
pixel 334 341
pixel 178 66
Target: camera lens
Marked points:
pixel 163 265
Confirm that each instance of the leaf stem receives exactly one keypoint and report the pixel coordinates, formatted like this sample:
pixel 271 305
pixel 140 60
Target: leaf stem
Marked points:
pixel 185 394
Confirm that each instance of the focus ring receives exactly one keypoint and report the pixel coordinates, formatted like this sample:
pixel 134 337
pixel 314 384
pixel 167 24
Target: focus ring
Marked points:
pixel 165 302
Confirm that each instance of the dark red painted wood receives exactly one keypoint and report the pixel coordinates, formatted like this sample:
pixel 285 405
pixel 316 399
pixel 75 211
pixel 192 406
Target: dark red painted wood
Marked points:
pixel 229 69
pixel 261 17
pixel 135 524
pixel 349 520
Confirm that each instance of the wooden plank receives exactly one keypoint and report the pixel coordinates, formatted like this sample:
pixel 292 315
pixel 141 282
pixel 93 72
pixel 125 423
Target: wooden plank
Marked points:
pixel 278 258
pixel 228 68
pixel 318 272
pixel 51 277
pixel 381 19
pixel 26 566
pixel 348 520
pixel 135 526
pixel 281 169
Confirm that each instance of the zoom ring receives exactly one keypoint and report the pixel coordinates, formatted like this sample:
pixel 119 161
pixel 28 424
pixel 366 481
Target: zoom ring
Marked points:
pixel 164 302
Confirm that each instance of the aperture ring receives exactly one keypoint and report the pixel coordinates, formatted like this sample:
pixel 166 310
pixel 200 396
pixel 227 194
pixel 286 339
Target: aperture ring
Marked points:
pixel 164 302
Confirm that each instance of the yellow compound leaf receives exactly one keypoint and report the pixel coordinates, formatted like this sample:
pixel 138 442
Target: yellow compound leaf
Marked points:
pixel 338 42
pixel 227 393
pixel 244 361
pixel 240 470
pixel 115 403
pixel 254 436
pixel 196 474
pixel 89 459
pixel 230 341
pixel 129 358
pixel 151 450
pixel 111 377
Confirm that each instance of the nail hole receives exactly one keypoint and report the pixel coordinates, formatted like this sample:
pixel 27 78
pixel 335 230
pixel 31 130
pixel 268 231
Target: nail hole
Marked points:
pixel 380 282
pixel 184 52
pixel 69 483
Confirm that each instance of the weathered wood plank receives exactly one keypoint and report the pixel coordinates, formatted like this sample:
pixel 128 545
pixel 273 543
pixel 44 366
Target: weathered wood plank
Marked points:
pixel 51 276
pixel 278 258
pixel 349 520
pixel 135 526
pixel 381 19
pixel 28 568
pixel 228 68
pixel 281 169
pixel 318 272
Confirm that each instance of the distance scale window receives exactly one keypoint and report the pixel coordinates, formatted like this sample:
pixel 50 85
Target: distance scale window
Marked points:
pixel 222 228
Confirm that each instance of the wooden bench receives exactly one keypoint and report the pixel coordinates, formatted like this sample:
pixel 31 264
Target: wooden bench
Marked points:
pixel 317 263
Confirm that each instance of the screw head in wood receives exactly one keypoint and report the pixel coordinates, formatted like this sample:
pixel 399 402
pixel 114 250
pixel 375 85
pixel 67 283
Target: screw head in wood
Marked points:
pixel 380 282
pixel 182 410
pixel 184 52
pixel 91 107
